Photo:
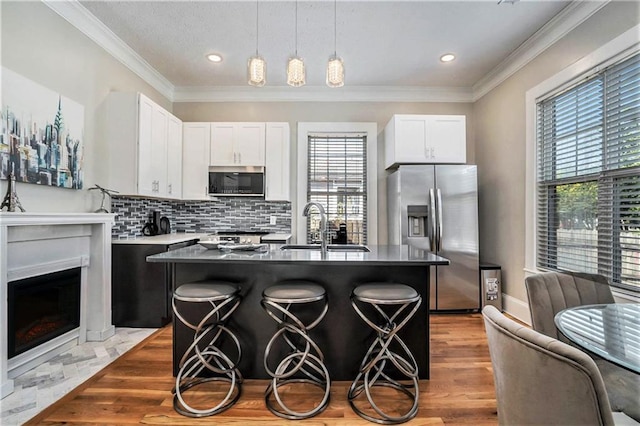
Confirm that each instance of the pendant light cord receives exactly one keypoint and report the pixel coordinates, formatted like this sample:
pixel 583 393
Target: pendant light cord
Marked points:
pixel 335 25
pixel 296 28
pixel 257 26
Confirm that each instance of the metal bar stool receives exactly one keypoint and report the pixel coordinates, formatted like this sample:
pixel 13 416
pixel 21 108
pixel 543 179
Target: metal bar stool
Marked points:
pixel 305 361
pixel 204 352
pixel 394 304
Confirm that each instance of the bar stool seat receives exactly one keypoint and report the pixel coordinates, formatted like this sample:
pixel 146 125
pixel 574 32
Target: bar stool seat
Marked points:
pixel 305 361
pixel 388 293
pixel 386 308
pixel 204 352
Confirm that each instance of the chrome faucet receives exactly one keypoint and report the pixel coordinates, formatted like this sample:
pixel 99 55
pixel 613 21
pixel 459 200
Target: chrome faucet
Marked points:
pixel 324 233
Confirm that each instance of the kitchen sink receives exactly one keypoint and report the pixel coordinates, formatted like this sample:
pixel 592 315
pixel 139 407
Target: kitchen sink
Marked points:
pixel 330 247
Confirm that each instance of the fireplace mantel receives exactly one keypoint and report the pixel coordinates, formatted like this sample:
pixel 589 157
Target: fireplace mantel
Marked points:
pixel 34 242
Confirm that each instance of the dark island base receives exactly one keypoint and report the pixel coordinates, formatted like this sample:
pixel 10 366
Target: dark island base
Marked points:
pixel 342 335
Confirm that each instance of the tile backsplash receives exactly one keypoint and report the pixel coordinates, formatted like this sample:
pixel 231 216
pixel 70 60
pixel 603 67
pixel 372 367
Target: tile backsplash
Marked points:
pixel 223 214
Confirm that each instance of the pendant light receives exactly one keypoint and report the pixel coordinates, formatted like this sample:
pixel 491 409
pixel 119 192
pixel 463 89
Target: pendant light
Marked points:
pixel 296 75
pixel 335 67
pixel 257 67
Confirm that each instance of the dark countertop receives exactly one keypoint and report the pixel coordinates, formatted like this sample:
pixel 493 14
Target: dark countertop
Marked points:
pixel 378 255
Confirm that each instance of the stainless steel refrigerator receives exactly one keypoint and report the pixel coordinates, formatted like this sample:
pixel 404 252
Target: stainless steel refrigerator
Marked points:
pixel 435 208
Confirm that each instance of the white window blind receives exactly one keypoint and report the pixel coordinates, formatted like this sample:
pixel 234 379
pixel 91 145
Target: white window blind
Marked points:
pixel 589 176
pixel 337 179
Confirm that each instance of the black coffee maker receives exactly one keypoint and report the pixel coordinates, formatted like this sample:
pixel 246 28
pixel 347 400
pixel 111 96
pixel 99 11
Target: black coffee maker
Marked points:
pixel 152 227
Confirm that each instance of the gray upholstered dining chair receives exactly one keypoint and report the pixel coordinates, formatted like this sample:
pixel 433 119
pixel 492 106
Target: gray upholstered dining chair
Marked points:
pixel 540 380
pixel 550 293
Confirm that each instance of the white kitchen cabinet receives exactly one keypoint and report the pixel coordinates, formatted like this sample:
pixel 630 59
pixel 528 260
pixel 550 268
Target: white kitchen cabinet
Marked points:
pixel 137 131
pixel 237 144
pixel 195 160
pixel 420 139
pixel 174 157
pixel 277 162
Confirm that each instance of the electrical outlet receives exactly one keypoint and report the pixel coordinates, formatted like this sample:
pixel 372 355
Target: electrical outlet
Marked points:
pixel 273 220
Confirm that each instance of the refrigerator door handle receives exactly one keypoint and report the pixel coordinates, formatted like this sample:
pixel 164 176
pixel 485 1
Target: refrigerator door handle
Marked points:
pixel 439 219
pixel 432 221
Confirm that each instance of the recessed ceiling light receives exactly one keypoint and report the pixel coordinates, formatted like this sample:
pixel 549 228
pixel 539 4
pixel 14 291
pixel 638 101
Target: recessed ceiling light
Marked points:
pixel 447 57
pixel 214 57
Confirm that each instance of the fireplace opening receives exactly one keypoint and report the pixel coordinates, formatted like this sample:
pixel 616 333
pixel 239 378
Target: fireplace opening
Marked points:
pixel 42 308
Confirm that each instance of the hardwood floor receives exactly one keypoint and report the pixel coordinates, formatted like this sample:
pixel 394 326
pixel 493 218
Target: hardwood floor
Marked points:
pixel 136 388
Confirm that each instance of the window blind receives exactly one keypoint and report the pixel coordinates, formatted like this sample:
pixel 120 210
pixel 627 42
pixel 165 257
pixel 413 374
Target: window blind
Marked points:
pixel 588 207
pixel 337 179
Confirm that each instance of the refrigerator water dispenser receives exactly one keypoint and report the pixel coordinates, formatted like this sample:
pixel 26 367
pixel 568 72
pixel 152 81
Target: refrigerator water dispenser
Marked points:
pixel 418 216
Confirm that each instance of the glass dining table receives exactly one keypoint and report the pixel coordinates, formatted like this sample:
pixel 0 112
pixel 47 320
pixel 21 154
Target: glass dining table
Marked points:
pixel 611 331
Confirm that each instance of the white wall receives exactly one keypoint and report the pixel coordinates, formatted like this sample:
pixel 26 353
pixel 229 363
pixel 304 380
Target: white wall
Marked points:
pixel 500 142
pixel 41 46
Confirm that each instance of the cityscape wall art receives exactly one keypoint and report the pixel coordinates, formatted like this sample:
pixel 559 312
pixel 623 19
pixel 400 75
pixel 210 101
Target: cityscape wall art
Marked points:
pixel 41 134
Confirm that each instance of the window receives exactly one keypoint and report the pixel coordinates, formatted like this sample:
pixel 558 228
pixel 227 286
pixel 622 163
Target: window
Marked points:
pixel 337 167
pixel 588 176
pixel 337 179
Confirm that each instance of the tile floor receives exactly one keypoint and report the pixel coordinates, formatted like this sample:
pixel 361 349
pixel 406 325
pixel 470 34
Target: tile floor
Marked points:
pixel 40 387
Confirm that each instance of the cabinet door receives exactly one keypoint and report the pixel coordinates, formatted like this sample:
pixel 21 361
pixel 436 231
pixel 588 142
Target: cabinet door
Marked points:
pixel 222 144
pixel 146 179
pixel 446 138
pixel 277 162
pixel 174 157
pixel 195 160
pixel 249 144
pixel 159 150
pixel 411 146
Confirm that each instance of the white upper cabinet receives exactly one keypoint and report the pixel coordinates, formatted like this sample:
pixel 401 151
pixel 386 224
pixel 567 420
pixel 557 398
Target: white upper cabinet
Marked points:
pixel 139 136
pixel 237 144
pixel 174 157
pixel 277 162
pixel 195 161
pixel 425 139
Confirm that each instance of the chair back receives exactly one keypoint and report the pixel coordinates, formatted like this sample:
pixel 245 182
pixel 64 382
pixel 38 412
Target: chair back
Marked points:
pixel 551 292
pixel 540 380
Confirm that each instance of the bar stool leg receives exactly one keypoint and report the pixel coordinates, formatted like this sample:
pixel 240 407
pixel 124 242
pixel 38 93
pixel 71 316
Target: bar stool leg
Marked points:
pixel 204 353
pixel 303 364
pixel 380 355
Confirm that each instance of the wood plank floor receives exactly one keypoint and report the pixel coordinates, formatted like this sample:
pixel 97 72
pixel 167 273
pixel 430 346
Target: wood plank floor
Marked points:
pixel 136 388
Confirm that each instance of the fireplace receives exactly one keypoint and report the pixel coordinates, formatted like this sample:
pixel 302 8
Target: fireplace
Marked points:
pixel 42 308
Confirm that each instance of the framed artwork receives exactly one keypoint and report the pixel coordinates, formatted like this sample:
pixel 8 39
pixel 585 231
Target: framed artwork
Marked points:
pixel 41 134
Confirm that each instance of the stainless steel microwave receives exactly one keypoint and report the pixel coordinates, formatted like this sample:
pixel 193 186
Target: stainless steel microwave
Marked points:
pixel 236 181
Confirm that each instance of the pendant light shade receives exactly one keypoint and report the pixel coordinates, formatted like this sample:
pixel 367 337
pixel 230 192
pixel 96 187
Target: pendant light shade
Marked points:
pixel 335 72
pixel 296 74
pixel 335 67
pixel 257 66
pixel 257 71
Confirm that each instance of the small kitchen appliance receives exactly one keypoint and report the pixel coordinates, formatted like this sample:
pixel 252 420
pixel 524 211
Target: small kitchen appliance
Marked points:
pixel 236 181
pixel 152 227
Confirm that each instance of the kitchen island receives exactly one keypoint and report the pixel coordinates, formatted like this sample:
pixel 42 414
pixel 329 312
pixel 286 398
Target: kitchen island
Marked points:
pixel 342 335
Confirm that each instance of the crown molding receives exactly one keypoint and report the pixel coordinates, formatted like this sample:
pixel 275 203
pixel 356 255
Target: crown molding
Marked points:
pixel 78 16
pixel 569 18
pixel 322 94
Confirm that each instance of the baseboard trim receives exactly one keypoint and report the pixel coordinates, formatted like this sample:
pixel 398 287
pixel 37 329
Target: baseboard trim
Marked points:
pixel 516 308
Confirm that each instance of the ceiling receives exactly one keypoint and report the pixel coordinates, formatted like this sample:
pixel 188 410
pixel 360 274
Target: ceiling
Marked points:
pixel 384 44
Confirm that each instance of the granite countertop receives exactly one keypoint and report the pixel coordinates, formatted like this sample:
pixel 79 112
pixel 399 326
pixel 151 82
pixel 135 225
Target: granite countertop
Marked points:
pixel 377 255
pixel 162 239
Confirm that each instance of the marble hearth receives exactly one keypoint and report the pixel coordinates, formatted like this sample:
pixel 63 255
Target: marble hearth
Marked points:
pixel 35 244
